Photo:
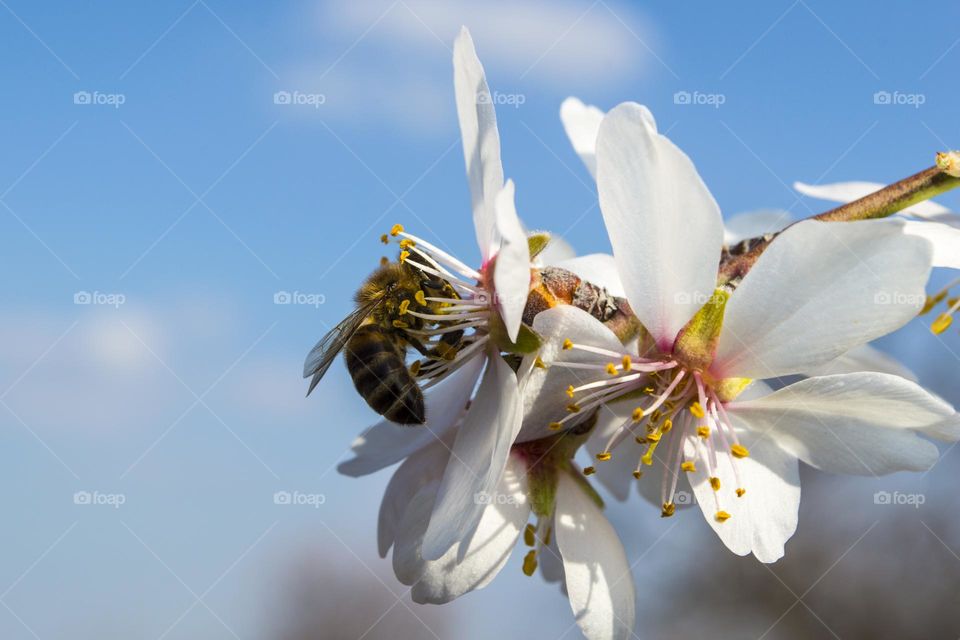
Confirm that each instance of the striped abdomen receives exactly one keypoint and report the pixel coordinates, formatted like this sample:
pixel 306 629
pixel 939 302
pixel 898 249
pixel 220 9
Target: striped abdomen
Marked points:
pixel 381 377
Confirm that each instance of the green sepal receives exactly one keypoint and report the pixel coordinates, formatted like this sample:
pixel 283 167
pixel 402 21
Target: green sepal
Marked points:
pixel 697 341
pixel 528 341
pixel 537 242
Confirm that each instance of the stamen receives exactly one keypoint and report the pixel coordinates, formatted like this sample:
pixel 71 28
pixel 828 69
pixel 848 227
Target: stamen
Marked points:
pixel 637 415
pixel 421 298
pixel 396 229
pixel 612 369
pixel 715 483
pixel 722 516
pixel 740 492
pixel 697 410
pixel 688 466
pixel 739 451
pixel 530 563
pixel 529 535
pixel 567 344
pixel 603 457
pixel 668 509
pixel 589 471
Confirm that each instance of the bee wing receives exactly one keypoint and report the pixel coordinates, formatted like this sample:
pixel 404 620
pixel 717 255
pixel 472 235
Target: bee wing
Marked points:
pixel 325 352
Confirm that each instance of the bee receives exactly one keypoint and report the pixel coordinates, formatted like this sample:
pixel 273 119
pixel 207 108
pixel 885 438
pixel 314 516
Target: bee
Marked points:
pixel 375 339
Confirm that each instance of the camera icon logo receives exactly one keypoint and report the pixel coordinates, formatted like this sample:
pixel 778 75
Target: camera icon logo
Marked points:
pixel 882 497
pixel 82 97
pixel 681 97
pixel 882 97
pixel 282 97
pixel 82 497
pixel 282 297
pixel 282 497
pixel 683 498
pixel 82 297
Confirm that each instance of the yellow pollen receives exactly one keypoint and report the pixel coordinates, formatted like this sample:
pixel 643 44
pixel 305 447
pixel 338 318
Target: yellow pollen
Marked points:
pixel 638 474
pixel 715 483
pixel 603 457
pixel 611 368
pixel 421 298
pixel 703 432
pixel 697 410
pixel 400 324
pixel 942 323
pixel 647 458
pixel 529 535
pixel 404 306
pixel 689 467
pixel 384 239
pixel 589 471
pixel 932 301
pixel 415 368
pixel 539 364
pixel 570 391
pixel 721 516
pixel 404 255
pixel 567 344
pixel 668 509
pixel 627 363
pixel 648 390
pixel 653 437
pixel 396 229
pixel 637 414
pixel 573 407
pixel 406 243
pixel 740 492
pixel 555 426
pixel 530 562
pixel 739 451
pixel 667 425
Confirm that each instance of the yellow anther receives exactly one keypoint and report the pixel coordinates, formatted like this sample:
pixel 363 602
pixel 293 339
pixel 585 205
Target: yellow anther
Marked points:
pixel 539 364
pixel 739 451
pixel 567 344
pixel 446 351
pixel 384 239
pixel 406 243
pixel 611 369
pixel 404 255
pixel 715 483
pixel 667 425
pixel 530 535
pixel 400 324
pixel 555 426
pixel 641 440
pixel 421 298
pixel 603 457
pixel 740 492
pixel 653 437
pixel 589 471
pixel 573 407
pixel 627 363
pixel 668 509
pixel 942 323
pixel 647 458
pixel 530 562
pixel 637 414
pixel 570 391
pixel 648 390
pixel 637 474
pixel 697 410
pixel 703 432
pixel 415 368
pixel 396 229
pixel 404 306
pixel 932 301
pixel 721 516
pixel 689 467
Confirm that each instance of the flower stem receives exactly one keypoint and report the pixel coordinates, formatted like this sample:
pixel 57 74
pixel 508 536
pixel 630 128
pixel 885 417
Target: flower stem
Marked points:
pixel 887 201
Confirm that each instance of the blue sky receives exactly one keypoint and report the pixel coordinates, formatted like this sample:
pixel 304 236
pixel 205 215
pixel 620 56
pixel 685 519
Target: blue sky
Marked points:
pixel 199 198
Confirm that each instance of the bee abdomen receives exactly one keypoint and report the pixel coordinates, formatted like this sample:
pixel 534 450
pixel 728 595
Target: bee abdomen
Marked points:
pixel 381 377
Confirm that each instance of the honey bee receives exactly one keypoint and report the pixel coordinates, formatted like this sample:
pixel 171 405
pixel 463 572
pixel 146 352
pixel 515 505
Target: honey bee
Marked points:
pixel 375 339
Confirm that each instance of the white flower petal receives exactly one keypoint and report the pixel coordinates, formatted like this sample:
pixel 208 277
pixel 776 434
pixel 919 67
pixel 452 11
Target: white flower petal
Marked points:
pixel 582 122
pixel 598 577
pixel 765 517
pixel 944 238
pixel 387 443
pixel 858 423
pixel 419 470
pixel 511 276
pixel 550 562
pixel 481 141
pixel 489 548
pixel 477 460
pixel 844 192
pixel 863 358
pixel 544 390
pixel 819 290
pixel 753 224
pixel 664 225
pixel 596 268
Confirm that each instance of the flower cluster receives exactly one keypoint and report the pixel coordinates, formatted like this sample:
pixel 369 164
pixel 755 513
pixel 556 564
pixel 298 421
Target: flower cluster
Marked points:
pixel 693 389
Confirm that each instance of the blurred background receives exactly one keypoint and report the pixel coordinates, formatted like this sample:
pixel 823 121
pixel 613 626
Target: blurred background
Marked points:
pixel 190 192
